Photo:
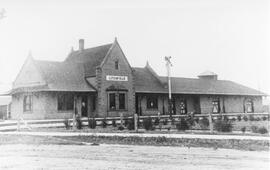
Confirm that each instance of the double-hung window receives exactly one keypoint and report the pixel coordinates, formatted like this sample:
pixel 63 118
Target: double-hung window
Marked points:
pixel 27 103
pixel 117 100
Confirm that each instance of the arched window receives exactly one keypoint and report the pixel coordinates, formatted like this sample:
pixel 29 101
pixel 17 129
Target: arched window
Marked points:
pixel 116 65
pixel 216 105
pixel 249 106
pixel 183 107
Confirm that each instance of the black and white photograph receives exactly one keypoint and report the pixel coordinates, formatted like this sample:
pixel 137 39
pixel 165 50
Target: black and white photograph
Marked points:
pixel 134 85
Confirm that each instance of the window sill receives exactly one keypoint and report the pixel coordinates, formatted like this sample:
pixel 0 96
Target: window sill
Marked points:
pixel 119 110
pixel 154 109
pixel 62 111
pixel 28 112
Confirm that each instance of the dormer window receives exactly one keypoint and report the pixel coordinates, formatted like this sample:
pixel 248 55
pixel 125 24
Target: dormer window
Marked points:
pixel 116 65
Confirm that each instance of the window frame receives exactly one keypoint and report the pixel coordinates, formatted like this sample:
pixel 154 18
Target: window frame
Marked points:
pixel 217 103
pixel 66 104
pixel 184 101
pixel 154 99
pixel 116 65
pixel 117 100
pixel 251 103
pixel 30 104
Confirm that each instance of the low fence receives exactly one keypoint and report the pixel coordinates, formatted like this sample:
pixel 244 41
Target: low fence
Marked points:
pixel 123 120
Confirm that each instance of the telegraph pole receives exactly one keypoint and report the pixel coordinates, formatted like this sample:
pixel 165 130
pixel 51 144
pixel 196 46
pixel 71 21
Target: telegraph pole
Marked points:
pixel 168 66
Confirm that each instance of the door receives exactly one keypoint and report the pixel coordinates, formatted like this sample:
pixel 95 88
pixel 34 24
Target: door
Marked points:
pixel 84 108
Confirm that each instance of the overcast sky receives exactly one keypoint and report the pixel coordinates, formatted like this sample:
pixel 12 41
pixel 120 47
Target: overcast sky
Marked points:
pixel 230 37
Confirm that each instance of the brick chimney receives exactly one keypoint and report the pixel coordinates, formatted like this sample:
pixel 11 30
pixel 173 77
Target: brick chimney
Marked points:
pixel 81 44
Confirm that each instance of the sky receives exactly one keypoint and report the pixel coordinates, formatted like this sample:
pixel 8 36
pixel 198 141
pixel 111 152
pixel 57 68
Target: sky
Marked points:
pixel 228 37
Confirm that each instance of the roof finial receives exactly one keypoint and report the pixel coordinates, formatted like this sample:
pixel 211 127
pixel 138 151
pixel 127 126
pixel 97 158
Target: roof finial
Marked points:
pixel 147 63
pixel 115 39
pixel 30 54
pixel 72 49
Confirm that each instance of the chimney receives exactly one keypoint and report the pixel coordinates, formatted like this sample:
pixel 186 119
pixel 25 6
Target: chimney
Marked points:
pixel 81 44
pixel 208 75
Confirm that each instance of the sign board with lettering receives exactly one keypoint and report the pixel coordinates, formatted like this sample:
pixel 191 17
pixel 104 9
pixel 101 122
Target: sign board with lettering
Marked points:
pixel 116 78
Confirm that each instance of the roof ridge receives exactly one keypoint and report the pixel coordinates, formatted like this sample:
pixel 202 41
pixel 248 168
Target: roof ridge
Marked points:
pixel 94 47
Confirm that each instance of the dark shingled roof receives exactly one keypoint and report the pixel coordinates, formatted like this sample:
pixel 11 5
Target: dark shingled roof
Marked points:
pixel 90 58
pixel 78 71
pixel 146 82
pixel 61 76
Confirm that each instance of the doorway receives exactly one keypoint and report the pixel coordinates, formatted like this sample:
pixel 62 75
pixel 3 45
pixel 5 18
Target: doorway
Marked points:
pixel 84 108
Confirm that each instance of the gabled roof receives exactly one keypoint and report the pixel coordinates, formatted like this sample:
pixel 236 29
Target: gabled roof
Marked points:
pixel 146 82
pixel 61 76
pixel 89 58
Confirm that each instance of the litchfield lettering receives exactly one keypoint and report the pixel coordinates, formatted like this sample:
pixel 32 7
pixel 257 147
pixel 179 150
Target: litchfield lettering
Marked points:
pixel 116 78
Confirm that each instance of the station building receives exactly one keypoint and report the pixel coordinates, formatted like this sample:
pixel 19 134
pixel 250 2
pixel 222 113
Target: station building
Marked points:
pixel 100 82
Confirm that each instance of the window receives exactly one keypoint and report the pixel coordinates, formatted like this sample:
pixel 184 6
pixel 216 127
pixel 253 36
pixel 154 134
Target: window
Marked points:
pixel 183 107
pixel 27 103
pixel 117 101
pixel 112 105
pixel 216 106
pixel 152 102
pixel 122 101
pixel 249 108
pixel 65 101
pixel 116 65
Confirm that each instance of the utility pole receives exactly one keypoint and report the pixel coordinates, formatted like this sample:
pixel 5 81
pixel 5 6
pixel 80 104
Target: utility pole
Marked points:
pixel 168 66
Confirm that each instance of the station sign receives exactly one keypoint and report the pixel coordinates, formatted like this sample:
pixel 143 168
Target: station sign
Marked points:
pixel 116 78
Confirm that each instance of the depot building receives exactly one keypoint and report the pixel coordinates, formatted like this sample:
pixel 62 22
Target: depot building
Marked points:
pixel 100 82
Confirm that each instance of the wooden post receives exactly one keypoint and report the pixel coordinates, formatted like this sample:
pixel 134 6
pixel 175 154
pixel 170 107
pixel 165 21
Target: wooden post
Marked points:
pixel 136 122
pixel 74 115
pixel 211 123
pixel 121 118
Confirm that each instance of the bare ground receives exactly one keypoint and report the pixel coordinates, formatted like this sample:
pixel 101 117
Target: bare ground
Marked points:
pixel 126 157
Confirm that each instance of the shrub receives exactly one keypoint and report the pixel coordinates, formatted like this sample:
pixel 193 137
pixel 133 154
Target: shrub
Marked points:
pixel 204 122
pixel 165 122
pixel 114 123
pixel 182 125
pixel 239 118
pixel 243 129
pixel 245 118
pixel 190 121
pixel 172 121
pixel 196 120
pixel 262 130
pixel 125 123
pixel 147 123
pixel 157 121
pixel 92 123
pixel 251 118
pixel 264 118
pixel 225 118
pixel 78 123
pixel 104 123
pixel 121 128
pixel 67 124
pixel 223 126
pixel 254 129
pixel 130 124
pixel 233 119
pixel 257 119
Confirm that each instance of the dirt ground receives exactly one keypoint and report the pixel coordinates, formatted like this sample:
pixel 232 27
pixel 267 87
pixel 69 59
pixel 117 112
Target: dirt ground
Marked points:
pixel 126 157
